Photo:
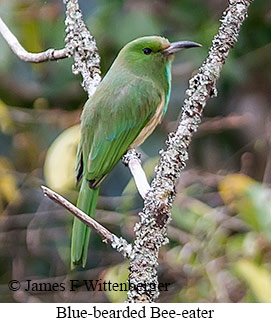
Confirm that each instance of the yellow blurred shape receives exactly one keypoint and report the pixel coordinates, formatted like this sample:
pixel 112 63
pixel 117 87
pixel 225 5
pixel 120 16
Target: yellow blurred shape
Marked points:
pixel 119 275
pixel 5 119
pixel 59 165
pixel 41 104
pixel 258 279
pixel 233 187
pixel 8 188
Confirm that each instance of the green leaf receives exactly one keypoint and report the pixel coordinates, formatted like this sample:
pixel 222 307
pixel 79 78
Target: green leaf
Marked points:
pixel 261 200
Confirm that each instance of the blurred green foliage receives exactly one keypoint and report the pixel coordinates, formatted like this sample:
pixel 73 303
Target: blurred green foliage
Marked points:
pixel 220 248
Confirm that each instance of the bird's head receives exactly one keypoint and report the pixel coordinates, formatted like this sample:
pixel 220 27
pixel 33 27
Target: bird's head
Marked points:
pixel 151 53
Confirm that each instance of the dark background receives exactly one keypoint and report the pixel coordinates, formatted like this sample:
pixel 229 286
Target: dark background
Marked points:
pixel 219 249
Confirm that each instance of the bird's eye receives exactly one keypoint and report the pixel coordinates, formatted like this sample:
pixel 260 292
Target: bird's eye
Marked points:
pixel 147 51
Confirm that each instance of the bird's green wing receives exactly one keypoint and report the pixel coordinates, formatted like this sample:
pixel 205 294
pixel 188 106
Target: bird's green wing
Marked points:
pixel 111 123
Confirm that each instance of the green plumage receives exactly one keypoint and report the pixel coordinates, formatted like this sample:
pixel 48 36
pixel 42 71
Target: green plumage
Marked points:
pixel 128 100
pixel 87 201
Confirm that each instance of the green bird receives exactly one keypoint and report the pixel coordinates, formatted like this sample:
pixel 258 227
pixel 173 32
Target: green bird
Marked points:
pixel 128 104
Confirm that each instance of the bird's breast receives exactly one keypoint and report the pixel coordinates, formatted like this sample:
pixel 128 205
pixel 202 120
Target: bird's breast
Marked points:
pixel 150 126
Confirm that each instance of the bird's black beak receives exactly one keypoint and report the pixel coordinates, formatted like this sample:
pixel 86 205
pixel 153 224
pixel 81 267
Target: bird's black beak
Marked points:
pixel 179 45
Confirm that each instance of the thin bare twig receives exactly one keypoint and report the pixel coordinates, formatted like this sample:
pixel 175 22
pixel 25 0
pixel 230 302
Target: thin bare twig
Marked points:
pixel 81 45
pixel 17 48
pixel 120 244
pixel 132 160
pixel 151 230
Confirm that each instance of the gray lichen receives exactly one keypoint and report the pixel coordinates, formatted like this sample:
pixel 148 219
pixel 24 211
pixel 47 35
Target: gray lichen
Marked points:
pixel 81 45
pixel 122 246
pixel 151 230
pixel 130 154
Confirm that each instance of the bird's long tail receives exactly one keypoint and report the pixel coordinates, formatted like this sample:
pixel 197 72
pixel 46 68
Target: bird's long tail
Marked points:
pixel 87 200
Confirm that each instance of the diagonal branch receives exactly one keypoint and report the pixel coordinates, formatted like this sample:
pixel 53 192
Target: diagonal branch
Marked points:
pixel 17 48
pixel 120 244
pixel 151 231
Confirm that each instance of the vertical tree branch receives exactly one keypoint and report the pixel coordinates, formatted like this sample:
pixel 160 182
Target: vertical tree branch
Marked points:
pixel 151 230
pixel 81 45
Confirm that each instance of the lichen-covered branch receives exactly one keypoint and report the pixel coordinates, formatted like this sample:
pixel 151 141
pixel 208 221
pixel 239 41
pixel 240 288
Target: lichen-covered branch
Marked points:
pixel 17 48
pixel 151 230
pixel 81 45
pixel 120 244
